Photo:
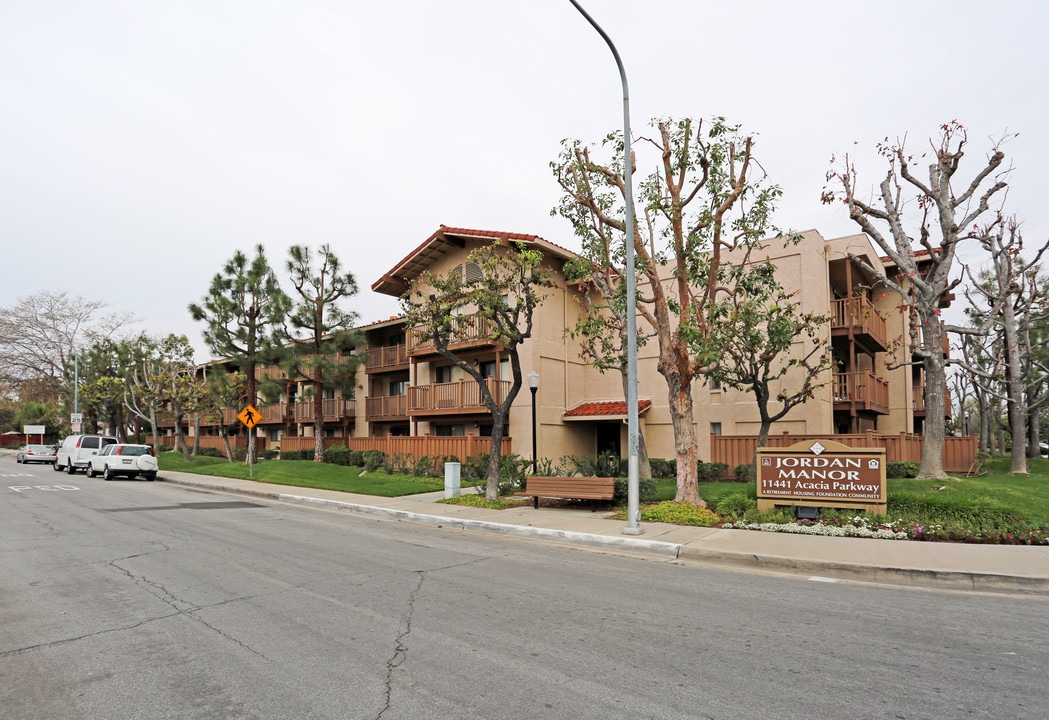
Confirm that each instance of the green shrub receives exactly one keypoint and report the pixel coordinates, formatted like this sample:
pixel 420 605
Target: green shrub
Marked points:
pixel 736 506
pixel 297 454
pixel 209 452
pixel 356 458
pixel 475 468
pixel 646 490
pixel 546 467
pixel 269 454
pixel 680 513
pixel 709 472
pixel 512 471
pixel 337 455
pixel 606 464
pixel 744 472
pixel 901 469
pixel 663 468
pixel 374 459
pixel 400 464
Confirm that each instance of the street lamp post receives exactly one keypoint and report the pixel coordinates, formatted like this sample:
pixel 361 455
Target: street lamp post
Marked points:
pixel 533 385
pixel 633 526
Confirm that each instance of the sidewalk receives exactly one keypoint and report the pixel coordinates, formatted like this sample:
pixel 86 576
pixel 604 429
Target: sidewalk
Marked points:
pixel 1011 568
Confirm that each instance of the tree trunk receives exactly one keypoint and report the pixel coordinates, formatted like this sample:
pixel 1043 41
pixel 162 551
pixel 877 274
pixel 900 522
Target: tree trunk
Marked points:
pixel 318 416
pixel 1034 437
pixel 684 442
pixel 1014 392
pixel 196 433
pixel 935 403
pixel 491 490
pixel 156 432
pixel 224 431
pixel 180 439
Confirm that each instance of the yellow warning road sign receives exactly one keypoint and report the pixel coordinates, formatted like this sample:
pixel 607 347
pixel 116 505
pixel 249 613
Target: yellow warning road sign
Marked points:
pixel 249 416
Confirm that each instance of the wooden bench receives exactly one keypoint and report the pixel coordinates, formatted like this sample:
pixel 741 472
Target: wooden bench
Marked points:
pixel 569 488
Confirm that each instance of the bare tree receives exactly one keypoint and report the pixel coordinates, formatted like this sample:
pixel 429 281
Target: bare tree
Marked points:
pixel 1009 290
pixel 924 256
pixel 40 333
pixel 700 204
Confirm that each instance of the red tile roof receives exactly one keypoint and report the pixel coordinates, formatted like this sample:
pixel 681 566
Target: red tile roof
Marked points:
pixel 611 408
pixel 396 281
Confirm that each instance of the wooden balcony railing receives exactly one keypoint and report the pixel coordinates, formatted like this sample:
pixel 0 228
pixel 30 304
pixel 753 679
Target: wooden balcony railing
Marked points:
pixel 269 372
pixel 862 389
pixel 859 314
pixel 454 396
pixel 468 330
pixel 918 394
pixel 335 409
pixel 386 407
pixel 390 357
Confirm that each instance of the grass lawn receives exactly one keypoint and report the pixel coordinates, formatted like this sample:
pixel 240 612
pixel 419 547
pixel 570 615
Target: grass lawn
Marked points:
pixel 306 473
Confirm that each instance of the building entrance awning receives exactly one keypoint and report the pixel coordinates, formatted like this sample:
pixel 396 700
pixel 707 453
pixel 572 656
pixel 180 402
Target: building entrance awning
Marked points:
pixel 603 410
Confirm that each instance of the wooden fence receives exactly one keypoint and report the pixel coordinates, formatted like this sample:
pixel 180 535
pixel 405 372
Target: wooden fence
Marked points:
pixel 959 453
pixel 462 447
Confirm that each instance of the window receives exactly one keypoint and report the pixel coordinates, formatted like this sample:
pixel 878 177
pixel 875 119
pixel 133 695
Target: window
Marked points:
pixel 450 430
pixel 398 387
pixel 443 374
pixel 487 368
pixel 469 272
pixel 715 428
pixel 274 436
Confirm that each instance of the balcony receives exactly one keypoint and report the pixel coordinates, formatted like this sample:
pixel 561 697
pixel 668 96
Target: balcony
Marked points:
pixel 861 391
pixel 386 407
pixel 335 409
pixel 462 396
pixel 857 316
pixel 918 395
pixel 469 331
pixel 386 359
pixel 273 414
pixel 269 372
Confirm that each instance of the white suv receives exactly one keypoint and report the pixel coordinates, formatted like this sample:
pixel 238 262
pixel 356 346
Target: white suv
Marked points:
pixel 123 459
pixel 76 450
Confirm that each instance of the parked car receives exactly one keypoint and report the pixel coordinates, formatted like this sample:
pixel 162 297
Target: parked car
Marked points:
pixel 123 459
pixel 36 453
pixel 76 450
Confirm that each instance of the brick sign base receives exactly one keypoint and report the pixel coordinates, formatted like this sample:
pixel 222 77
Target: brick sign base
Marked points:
pixel 822 473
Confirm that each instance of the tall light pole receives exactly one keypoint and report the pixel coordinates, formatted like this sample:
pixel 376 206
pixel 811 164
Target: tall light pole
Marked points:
pixel 633 526
pixel 533 385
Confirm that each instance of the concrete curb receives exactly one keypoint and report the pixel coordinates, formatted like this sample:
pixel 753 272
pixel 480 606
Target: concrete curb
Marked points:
pixel 633 545
pixel 838 570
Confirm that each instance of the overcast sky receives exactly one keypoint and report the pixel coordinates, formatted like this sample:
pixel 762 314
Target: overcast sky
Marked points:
pixel 143 142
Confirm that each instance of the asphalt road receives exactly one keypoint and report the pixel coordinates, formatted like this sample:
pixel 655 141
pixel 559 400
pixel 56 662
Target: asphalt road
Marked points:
pixel 129 599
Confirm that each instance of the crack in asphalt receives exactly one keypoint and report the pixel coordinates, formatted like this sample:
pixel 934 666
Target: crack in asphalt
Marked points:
pixel 400 652
pixel 180 606
pixel 66 641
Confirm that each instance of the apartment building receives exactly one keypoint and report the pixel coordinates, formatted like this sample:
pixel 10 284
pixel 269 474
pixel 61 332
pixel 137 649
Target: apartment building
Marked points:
pixel 404 388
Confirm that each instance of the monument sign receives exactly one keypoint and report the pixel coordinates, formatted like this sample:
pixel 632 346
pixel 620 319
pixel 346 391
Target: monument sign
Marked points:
pixel 822 473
